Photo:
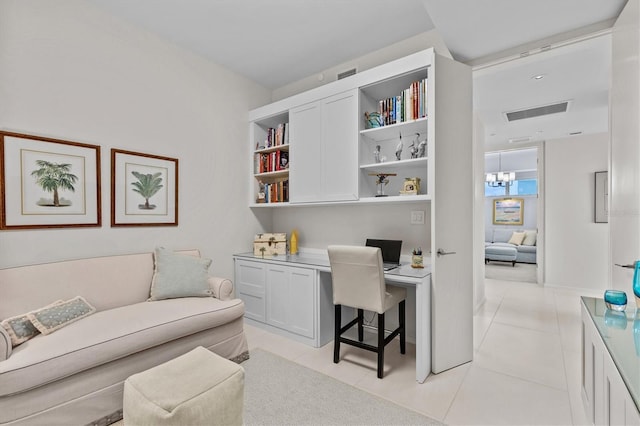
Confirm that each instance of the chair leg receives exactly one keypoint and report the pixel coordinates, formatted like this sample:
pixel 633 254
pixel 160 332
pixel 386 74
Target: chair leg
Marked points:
pixel 380 345
pixel 402 322
pixel 336 337
pixel 360 325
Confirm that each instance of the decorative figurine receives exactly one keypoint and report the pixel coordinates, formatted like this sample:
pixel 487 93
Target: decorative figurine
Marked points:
pixel 381 181
pixel 422 149
pixel 376 154
pixel 414 146
pixel 399 149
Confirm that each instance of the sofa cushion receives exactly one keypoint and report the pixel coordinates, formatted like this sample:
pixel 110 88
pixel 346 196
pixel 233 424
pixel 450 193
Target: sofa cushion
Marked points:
pixel 179 275
pixel 530 238
pixel 516 238
pixel 527 249
pixel 110 335
pixel 501 235
pixel 52 318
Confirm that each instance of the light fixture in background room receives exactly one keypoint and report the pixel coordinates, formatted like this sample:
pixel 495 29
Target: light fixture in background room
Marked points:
pixel 500 178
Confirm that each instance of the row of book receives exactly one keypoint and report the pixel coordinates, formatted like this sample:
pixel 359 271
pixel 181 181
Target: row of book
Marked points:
pixel 278 136
pixel 272 161
pixel 276 192
pixel 411 104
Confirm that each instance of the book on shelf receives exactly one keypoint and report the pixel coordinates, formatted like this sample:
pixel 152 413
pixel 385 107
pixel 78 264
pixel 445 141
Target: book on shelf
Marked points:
pixel 276 192
pixel 274 161
pixel 411 104
pixel 277 136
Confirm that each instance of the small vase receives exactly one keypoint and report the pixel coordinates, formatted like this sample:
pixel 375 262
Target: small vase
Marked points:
pixel 636 282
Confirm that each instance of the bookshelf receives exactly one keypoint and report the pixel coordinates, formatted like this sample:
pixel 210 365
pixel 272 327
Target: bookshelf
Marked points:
pixel 270 161
pixel 403 105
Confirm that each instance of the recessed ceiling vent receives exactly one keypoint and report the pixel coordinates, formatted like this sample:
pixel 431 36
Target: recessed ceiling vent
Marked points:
pixel 347 73
pixel 537 111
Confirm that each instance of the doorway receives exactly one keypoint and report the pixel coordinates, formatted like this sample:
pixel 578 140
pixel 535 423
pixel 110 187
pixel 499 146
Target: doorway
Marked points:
pixel 512 215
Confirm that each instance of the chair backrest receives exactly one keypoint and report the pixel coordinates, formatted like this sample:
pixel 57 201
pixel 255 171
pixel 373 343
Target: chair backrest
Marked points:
pixel 358 277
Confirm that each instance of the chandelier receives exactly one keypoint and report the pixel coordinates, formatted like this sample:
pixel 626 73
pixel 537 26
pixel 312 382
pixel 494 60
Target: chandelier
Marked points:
pixel 500 178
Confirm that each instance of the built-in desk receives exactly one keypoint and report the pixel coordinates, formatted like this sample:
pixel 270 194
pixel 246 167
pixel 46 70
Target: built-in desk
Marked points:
pixel 293 294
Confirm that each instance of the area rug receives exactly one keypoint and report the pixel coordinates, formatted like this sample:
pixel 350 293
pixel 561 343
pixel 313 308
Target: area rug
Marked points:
pixel 281 392
pixel 524 272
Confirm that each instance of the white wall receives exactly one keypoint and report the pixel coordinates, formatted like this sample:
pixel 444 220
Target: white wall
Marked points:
pixel 478 213
pixel 71 72
pixel 352 224
pixel 576 247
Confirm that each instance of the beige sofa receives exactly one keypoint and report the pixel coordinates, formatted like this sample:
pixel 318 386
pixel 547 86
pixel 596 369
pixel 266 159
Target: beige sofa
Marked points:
pixel 75 375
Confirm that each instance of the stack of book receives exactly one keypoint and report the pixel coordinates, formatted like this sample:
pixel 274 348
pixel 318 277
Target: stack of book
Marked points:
pixel 278 136
pixel 272 161
pixel 411 104
pixel 276 192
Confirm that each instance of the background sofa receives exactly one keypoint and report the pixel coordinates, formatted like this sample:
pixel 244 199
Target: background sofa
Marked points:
pixel 525 253
pixel 75 375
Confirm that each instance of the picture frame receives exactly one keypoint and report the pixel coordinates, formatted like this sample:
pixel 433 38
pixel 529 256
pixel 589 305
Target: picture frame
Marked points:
pixel 601 202
pixel 48 183
pixel 144 189
pixel 508 211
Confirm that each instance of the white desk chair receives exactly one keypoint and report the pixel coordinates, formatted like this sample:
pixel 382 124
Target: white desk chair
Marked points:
pixel 358 282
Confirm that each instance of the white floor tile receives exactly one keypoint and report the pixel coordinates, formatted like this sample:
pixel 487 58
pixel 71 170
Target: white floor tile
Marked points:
pixel 490 398
pixel 523 353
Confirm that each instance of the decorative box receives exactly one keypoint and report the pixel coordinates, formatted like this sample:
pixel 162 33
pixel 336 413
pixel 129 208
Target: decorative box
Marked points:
pixel 270 244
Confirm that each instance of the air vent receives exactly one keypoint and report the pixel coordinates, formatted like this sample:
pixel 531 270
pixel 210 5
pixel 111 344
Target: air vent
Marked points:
pixel 537 112
pixel 347 73
pixel 520 140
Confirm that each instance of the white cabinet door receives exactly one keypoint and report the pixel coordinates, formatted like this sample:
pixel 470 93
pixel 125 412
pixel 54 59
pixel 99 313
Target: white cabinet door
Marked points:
pixel 250 286
pixel 291 299
pixel 324 150
pixel 305 153
pixel 340 143
pixel 278 299
pixel 302 297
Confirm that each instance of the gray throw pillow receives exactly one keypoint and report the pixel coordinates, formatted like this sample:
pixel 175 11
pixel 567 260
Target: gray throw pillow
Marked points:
pixel 179 275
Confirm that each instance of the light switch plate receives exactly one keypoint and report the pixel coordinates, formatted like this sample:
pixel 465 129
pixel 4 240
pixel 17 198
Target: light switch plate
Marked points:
pixel 417 217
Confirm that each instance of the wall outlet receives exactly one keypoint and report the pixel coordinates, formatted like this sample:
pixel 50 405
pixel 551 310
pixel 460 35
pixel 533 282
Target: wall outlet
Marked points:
pixel 417 217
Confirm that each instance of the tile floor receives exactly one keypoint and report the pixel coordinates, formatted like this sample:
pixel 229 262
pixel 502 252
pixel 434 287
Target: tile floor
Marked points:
pixel 526 367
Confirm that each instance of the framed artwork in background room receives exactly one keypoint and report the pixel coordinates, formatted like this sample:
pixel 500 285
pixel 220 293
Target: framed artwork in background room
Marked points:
pixel 48 183
pixel 144 189
pixel 508 211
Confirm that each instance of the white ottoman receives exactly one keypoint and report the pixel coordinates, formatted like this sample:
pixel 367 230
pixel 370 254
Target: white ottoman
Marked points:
pixel 197 388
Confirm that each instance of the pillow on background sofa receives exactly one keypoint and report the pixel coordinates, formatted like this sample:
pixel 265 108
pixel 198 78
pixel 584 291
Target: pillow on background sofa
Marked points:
pixel 20 328
pixel 517 238
pixel 52 318
pixel 179 275
pixel 530 238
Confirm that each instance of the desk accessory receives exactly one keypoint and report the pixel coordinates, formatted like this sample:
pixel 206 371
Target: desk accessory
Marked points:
pixel 417 261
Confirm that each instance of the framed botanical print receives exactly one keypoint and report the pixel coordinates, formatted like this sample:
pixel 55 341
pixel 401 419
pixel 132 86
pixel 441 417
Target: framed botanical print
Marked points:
pixel 48 183
pixel 144 189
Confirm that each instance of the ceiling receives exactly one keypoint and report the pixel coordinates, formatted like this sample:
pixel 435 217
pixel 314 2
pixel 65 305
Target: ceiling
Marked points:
pixel 277 42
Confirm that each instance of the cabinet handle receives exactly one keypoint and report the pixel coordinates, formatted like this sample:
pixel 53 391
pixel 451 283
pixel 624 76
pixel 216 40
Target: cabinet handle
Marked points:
pixel 441 252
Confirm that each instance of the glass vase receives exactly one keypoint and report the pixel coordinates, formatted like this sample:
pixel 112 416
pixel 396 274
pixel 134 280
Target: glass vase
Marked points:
pixel 636 282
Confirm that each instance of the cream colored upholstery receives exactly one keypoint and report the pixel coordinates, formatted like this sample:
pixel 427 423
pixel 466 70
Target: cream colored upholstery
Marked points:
pixel 197 388
pixel 357 278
